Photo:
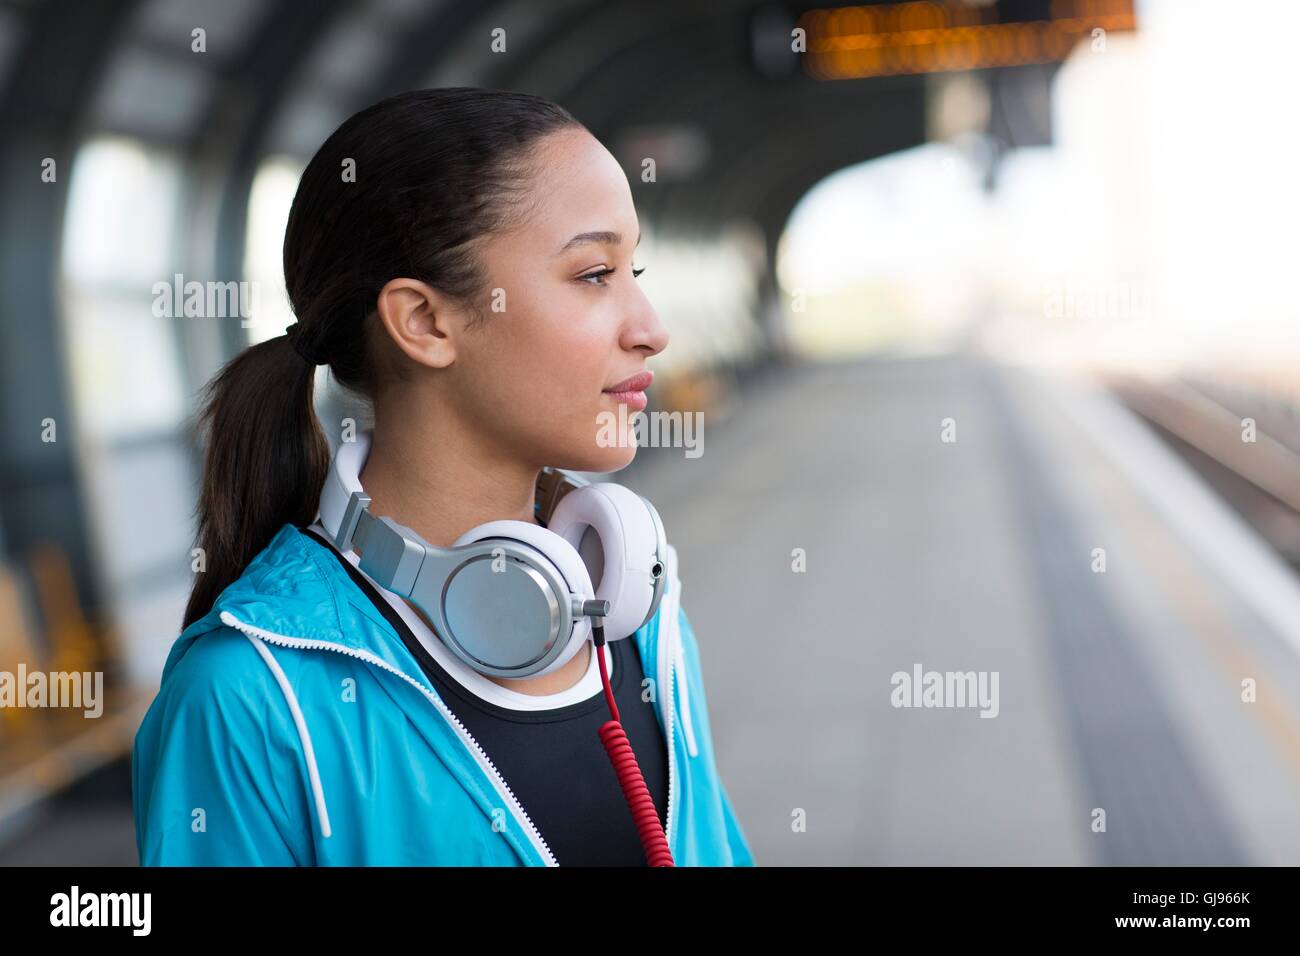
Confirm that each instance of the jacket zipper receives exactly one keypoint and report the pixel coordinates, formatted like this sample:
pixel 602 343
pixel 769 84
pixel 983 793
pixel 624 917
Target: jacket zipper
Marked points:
pixel 665 658
pixel 483 759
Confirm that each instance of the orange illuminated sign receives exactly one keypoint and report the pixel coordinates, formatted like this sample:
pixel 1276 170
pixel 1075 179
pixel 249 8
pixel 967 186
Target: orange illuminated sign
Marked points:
pixel 928 37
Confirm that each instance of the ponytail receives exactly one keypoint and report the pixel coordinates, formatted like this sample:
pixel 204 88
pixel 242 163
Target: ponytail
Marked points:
pixel 265 459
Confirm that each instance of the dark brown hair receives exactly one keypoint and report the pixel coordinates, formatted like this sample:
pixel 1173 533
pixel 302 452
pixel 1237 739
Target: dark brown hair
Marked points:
pixel 435 172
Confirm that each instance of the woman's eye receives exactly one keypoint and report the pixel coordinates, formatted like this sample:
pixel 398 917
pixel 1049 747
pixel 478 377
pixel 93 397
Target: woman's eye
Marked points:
pixel 604 272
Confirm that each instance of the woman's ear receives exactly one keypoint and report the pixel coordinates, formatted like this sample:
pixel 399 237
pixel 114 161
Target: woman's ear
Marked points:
pixel 421 321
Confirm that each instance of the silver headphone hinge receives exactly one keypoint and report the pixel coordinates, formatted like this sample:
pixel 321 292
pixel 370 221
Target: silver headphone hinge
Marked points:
pixel 357 504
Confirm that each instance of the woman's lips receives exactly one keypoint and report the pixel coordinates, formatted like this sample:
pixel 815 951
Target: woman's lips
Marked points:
pixel 631 391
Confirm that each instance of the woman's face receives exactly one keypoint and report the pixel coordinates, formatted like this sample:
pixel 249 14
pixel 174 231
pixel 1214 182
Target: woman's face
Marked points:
pixel 564 319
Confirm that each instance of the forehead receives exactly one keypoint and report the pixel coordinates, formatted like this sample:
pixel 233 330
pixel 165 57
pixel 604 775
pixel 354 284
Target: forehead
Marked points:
pixel 579 186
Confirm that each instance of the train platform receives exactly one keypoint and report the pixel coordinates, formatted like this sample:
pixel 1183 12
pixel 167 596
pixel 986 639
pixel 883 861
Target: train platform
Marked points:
pixel 1146 639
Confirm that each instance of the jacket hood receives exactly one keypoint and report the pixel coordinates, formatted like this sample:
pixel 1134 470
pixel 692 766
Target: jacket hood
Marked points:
pixel 294 589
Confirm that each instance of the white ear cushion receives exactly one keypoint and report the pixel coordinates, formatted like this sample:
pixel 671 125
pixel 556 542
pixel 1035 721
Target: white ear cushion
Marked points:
pixel 627 536
pixel 561 554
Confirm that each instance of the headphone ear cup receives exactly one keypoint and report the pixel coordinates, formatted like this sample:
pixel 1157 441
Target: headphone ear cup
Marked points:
pixel 552 548
pixel 615 534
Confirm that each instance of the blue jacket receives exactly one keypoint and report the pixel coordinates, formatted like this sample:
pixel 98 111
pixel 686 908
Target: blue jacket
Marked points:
pixel 294 727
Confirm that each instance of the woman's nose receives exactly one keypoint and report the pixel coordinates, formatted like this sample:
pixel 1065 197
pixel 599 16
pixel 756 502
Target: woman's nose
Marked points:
pixel 646 331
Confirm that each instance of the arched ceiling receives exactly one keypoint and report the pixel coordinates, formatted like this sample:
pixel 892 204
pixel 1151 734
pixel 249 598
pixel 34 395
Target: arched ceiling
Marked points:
pixel 621 66
pixel 282 74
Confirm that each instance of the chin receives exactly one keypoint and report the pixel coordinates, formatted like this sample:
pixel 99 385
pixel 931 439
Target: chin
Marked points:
pixel 619 458
pixel 604 460
pixel 586 456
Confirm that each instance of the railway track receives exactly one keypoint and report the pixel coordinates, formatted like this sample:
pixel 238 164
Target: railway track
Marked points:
pixel 1245 444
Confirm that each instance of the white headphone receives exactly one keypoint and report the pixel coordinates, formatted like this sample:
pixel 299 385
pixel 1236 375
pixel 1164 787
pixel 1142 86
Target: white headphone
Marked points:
pixel 510 598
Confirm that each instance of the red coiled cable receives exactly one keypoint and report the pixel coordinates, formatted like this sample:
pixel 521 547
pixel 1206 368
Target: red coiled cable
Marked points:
pixel 630 778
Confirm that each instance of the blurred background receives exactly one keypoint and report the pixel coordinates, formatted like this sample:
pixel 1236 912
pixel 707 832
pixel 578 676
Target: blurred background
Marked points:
pixel 988 309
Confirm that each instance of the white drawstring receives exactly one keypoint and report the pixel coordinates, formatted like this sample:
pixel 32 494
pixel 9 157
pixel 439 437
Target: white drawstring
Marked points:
pixel 317 791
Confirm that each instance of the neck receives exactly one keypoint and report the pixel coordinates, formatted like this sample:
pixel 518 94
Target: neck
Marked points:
pixel 442 485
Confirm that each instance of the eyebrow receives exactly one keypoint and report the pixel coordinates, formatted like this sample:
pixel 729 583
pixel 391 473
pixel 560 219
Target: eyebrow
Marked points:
pixel 586 238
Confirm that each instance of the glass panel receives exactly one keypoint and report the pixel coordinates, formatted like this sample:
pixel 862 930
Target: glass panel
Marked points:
pixel 125 365
pixel 118 228
pixel 268 213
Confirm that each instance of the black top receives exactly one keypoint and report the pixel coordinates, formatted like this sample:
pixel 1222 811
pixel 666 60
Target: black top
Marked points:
pixel 553 760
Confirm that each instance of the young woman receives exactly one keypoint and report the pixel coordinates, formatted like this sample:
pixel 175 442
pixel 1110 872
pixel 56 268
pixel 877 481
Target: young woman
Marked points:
pixel 462 259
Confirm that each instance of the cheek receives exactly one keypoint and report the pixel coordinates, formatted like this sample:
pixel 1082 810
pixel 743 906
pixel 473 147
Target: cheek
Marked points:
pixel 547 357
pixel 542 379
pixel 578 409
pixel 571 351
pixel 547 371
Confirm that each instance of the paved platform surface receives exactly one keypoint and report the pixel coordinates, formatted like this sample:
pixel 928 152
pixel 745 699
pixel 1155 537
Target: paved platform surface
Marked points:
pixel 1119 691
